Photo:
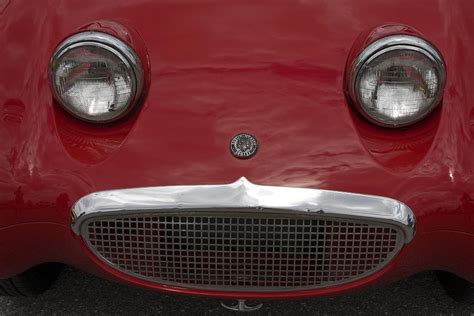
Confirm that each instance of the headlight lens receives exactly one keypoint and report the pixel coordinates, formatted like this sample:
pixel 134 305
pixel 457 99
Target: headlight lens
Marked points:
pixel 397 80
pixel 96 77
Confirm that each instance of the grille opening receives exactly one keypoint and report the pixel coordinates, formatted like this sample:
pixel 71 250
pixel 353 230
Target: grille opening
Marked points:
pixel 235 251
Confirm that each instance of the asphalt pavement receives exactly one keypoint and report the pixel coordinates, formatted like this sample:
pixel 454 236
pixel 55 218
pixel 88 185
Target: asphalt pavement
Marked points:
pixel 76 293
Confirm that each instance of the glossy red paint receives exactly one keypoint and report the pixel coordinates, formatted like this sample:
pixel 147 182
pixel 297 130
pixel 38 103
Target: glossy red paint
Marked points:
pixel 274 69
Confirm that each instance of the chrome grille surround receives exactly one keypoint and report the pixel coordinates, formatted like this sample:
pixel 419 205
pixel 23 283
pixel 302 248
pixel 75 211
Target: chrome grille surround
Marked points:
pixel 241 246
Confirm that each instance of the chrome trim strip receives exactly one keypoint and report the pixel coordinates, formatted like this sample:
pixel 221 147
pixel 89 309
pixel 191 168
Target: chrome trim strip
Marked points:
pixel 244 195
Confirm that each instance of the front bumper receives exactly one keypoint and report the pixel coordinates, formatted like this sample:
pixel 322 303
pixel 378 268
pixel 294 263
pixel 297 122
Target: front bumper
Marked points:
pixel 28 244
pixel 242 194
pixel 241 236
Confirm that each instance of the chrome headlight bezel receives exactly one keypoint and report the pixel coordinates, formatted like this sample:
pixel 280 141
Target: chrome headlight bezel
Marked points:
pixel 390 44
pixel 112 45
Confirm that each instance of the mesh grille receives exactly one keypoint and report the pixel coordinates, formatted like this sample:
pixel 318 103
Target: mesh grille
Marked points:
pixel 242 252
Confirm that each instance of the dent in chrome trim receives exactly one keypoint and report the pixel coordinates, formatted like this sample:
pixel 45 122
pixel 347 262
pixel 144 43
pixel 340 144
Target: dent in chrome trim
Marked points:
pixel 243 194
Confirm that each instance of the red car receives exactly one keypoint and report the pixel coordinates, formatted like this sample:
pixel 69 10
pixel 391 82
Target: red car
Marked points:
pixel 237 149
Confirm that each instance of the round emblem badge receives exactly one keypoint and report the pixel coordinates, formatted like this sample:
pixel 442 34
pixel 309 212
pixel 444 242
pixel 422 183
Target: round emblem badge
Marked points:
pixel 243 146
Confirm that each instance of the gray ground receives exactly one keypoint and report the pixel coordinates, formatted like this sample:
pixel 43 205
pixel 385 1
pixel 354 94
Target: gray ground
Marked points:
pixel 76 293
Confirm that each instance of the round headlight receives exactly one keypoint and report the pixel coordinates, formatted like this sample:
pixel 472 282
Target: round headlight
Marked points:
pixel 96 77
pixel 397 80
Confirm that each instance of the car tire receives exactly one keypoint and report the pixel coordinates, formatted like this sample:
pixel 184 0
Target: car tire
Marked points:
pixel 456 287
pixel 32 282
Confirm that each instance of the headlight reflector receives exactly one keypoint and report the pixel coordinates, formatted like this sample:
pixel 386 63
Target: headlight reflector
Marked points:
pixel 397 80
pixel 96 77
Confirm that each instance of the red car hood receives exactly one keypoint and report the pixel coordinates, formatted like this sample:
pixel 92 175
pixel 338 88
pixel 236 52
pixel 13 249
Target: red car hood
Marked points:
pixel 218 68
